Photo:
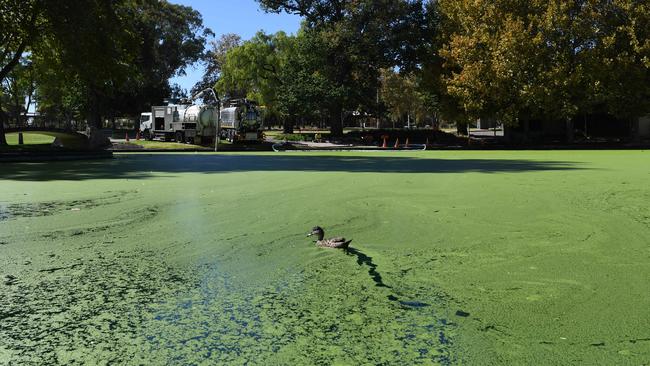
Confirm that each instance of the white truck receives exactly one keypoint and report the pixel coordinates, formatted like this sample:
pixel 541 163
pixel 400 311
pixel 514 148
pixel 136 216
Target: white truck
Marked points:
pixel 181 122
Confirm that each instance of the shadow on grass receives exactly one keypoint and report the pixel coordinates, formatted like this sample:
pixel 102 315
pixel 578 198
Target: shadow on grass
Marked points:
pixel 145 166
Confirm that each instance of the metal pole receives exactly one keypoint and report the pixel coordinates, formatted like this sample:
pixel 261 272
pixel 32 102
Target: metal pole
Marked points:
pixel 216 135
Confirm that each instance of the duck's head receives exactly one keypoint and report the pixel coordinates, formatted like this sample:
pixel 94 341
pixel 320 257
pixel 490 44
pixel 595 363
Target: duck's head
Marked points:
pixel 317 230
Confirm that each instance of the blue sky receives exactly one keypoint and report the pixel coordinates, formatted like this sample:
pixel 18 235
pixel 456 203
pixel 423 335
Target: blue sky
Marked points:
pixel 243 17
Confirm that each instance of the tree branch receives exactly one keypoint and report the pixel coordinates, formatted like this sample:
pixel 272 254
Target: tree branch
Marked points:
pixel 14 60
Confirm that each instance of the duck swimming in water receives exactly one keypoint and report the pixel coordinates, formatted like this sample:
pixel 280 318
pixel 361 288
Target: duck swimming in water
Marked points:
pixel 328 243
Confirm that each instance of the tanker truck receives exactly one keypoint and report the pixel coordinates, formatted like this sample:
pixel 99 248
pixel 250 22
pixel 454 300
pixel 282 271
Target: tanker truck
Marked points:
pixel 240 120
pixel 181 122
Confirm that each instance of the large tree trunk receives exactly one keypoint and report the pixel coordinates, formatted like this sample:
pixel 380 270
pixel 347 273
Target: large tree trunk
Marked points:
pixel 3 138
pixel 526 126
pixel 287 127
pixel 507 134
pixel 336 123
pixel 635 135
pixel 569 130
pixel 461 128
pixel 94 115
pixel 96 138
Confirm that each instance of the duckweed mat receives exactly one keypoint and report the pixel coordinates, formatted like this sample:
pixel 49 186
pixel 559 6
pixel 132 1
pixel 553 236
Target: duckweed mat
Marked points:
pixel 457 258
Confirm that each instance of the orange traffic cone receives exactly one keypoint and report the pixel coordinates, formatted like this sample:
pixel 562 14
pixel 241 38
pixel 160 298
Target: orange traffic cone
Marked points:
pixel 385 143
pixel 407 142
pixel 126 137
pixel 397 143
pixel 137 136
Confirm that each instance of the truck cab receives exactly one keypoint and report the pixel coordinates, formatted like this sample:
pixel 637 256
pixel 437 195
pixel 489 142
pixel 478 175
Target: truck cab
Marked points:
pixel 145 121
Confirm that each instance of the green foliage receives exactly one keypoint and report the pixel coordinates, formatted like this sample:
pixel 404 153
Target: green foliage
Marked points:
pixel 294 137
pixel 17 91
pixel 215 59
pixel 278 71
pixel 545 59
pixel 463 59
pixel 19 23
pixel 403 95
pixel 170 37
pixel 100 58
pixel 253 68
pixel 356 39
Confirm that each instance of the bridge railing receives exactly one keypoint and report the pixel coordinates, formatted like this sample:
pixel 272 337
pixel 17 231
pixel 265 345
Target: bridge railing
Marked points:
pixel 45 124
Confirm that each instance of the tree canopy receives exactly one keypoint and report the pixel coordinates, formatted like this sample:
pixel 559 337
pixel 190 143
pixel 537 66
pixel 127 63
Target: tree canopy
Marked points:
pixel 460 60
pixel 98 58
pixel 358 39
pixel 549 60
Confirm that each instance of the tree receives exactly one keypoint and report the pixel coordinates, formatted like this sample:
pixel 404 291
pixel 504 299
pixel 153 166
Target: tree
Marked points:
pixel 170 37
pixel 549 60
pixel 215 59
pixel 280 72
pixel 18 28
pixel 18 91
pixel 404 95
pixel 359 38
pixel 253 69
pixel 97 57
pixel 621 77
pixel 303 88
pixel 483 70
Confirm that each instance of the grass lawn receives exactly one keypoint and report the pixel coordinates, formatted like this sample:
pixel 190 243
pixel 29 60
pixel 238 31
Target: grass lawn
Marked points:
pixel 459 257
pixel 32 143
pixel 29 139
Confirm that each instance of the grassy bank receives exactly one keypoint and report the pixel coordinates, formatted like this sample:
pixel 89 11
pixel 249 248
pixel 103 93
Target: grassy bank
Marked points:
pixel 471 257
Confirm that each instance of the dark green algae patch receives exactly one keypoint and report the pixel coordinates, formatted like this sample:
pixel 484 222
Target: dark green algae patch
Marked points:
pixel 458 258
pixel 303 318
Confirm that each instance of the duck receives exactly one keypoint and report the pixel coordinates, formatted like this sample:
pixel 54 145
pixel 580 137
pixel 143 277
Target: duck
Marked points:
pixel 339 243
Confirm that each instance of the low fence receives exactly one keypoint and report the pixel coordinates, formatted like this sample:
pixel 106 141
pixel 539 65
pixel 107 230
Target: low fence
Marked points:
pixel 43 124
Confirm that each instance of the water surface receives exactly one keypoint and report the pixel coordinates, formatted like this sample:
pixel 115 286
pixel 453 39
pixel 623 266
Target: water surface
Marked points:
pixel 457 257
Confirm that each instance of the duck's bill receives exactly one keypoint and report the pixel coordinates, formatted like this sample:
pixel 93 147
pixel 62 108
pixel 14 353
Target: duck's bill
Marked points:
pixel 310 234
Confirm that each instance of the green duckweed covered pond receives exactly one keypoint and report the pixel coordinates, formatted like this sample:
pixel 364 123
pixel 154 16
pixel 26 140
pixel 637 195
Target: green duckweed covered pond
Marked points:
pixel 539 258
